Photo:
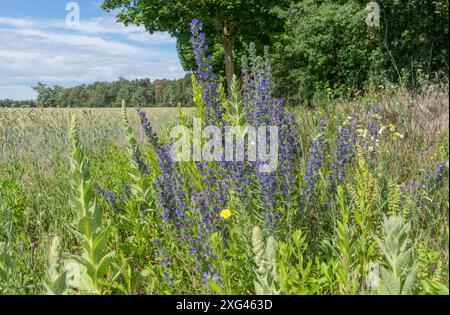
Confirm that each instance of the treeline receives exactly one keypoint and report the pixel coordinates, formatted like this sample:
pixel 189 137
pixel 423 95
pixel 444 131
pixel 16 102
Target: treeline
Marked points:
pixel 14 103
pixel 139 92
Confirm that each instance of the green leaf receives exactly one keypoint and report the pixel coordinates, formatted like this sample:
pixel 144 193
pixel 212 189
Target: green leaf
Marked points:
pixel 409 282
pixel 215 287
pixel 99 246
pixel 390 282
pixel 104 263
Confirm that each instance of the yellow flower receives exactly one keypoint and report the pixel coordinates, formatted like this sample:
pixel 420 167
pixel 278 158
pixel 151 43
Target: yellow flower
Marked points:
pixel 328 90
pixel 391 127
pixel 225 213
pixel 438 133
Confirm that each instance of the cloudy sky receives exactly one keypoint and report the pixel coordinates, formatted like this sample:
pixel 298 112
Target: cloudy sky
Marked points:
pixel 36 44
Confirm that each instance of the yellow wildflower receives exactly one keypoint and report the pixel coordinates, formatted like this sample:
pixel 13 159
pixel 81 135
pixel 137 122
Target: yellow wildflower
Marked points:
pixel 225 213
pixel 329 90
pixel 438 133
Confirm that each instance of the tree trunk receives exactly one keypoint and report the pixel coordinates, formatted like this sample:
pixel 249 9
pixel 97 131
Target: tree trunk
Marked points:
pixel 225 32
pixel 229 61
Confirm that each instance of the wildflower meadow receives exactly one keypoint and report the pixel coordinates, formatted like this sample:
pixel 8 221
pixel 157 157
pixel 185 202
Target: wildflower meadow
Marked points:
pixel 94 201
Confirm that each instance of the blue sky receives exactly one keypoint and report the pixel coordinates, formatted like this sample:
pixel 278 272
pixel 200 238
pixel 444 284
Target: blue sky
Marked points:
pixel 36 44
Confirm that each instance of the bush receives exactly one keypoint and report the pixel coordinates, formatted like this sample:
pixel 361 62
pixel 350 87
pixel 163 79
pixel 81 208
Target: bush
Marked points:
pixel 329 45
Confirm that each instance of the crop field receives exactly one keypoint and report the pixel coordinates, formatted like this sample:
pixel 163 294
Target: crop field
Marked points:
pixel 84 205
pixel 29 131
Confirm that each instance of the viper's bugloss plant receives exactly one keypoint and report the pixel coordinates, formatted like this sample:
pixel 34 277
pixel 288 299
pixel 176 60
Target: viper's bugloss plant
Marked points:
pixel 344 153
pixel 214 107
pixel 275 189
pixel 314 166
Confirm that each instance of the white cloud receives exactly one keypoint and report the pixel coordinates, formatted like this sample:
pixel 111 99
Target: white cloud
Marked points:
pixel 95 26
pixel 82 41
pixel 99 50
pixel 16 22
pixel 107 25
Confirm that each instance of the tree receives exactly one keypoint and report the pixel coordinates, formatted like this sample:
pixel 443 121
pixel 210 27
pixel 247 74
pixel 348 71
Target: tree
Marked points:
pixel 101 95
pixel 327 43
pixel 136 93
pixel 73 97
pixel 17 103
pixel 228 22
pixel 47 96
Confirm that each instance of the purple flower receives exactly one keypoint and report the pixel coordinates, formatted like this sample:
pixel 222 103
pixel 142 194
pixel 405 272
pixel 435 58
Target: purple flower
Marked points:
pixel 111 197
pixel 314 166
pixel 344 153
pixel 205 75
pixel 275 190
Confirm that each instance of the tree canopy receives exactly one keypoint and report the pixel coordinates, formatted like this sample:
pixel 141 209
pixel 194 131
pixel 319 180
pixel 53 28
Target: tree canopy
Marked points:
pixel 136 93
pixel 227 24
pixel 327 44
